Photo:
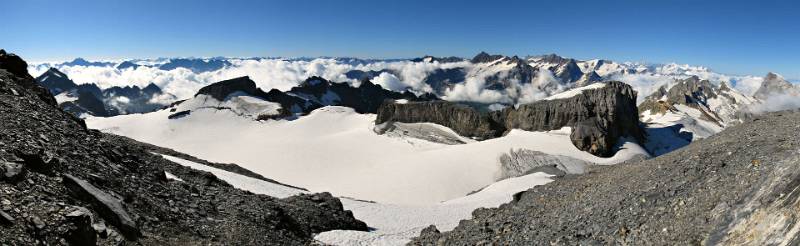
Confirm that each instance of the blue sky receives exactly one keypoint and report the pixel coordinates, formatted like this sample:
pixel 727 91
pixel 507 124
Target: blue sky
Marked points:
pixel 737 37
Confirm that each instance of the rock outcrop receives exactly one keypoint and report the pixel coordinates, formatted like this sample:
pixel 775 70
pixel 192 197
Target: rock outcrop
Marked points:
pixel 464 120
pixel 221 90
pixel 599 117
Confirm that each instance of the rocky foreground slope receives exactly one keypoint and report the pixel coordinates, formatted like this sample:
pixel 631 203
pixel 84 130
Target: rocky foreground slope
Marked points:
pixel 598 116
pixel 738 187
pixel 63 184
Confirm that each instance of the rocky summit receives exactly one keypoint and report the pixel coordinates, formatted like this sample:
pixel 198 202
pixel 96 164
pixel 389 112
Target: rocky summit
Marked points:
pixel 739 187
pixel 63 184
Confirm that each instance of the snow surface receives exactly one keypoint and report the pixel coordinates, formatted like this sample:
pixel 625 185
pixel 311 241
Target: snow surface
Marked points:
pixel 172 176
pixel 391 224
pixel 575 91
pixel 687 116
pixel 335 149
pixel 239 103
pixel 65 97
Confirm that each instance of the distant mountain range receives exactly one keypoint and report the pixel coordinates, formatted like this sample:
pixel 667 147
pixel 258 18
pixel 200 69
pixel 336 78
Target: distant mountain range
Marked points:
pixel 700 101
pixel 90 99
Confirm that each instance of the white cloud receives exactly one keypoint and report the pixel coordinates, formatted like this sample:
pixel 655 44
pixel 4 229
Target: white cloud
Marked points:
pixel 747 84
pixel 389 81
pixel 776 102
pixel 644 84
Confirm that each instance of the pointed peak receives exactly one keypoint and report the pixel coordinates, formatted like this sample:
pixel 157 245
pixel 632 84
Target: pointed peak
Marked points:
pixel 772 76
pixel 484 57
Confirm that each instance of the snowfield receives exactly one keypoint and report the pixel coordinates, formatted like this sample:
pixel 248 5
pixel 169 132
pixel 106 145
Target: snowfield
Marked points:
pixel 391 224
pixel 335 149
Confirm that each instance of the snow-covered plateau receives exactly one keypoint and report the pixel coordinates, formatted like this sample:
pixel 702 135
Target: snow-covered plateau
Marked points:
pixel 397 184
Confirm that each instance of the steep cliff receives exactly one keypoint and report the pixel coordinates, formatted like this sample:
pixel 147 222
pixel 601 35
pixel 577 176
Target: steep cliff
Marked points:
pixel 599 117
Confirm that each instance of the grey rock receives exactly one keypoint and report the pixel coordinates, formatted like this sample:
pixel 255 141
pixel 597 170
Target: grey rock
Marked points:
pixel 523 161
pixel 464 120
pixel 101 229
pixel 41 161
pixel 81 231
pixel 108 206
pixel 37 223
pixel 12 172
pixel 6 219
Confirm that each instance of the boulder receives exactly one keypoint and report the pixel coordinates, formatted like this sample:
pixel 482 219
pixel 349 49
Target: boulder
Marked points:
pixel 107 206
pixel 81 231
pixel 6 219
pixel 12 172
pixel 42 161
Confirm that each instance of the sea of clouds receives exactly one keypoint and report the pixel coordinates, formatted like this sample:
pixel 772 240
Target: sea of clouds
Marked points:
pixel 283 74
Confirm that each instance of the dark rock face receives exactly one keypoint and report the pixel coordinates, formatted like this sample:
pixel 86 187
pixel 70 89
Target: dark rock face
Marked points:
pixel 464 120
pixel 109 175
pixel 613 107
pixel 738 187
pixel 484 57
pixel 603 116
pixel 56 81
pixel 18 68
pixel 221 90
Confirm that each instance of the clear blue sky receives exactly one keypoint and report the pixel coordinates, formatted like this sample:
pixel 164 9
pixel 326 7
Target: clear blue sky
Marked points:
pixel 739 37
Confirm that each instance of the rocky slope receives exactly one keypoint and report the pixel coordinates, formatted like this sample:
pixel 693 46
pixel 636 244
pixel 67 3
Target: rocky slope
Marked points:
pixel 64 184
pixel 599 117
pixel 738 187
